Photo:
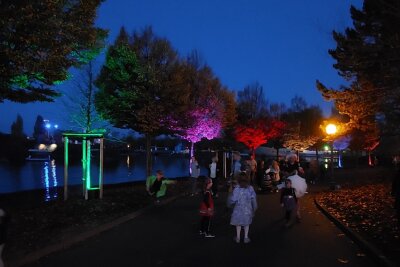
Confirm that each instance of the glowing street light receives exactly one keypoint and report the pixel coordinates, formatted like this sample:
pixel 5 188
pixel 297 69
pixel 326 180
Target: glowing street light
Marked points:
pixel 331 130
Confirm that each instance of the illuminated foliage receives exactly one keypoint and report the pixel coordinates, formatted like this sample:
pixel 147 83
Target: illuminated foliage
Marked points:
pixel 119 94
pixel 140 86
pixel 367 57
pixel 258 131
pixel 302 130
pixel 40 41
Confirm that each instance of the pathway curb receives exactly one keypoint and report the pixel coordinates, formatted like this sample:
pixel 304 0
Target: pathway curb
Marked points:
pixel 366 246
pixel 66 243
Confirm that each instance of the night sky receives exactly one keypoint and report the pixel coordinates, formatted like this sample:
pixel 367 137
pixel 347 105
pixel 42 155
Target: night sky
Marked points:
pixel 282 44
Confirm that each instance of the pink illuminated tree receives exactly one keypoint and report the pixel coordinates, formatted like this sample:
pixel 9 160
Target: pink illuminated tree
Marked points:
pixel 203 121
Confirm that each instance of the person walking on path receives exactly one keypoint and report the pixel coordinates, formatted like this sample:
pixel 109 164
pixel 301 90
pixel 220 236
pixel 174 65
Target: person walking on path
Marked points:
pixel 213 176
pixel 289 202
pixel 244 202
pixel 157 185
pixel 194 174
pixel 206 209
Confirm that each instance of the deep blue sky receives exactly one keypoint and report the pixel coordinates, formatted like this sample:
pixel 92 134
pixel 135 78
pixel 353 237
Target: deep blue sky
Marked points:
pixel 282 44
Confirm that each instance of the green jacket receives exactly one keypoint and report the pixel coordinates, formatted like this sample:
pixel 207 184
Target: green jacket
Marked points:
pixel 163 189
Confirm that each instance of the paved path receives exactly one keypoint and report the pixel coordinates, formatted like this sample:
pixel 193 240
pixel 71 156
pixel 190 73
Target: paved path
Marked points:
pixel 168 236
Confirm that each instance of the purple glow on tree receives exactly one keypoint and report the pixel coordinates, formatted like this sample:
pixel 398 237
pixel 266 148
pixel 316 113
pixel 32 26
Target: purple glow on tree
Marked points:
pixel 201 122
pixel 204 125
pixel 340 144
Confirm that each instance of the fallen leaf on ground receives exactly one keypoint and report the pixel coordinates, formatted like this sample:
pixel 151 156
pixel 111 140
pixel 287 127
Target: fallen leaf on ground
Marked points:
pixel 343 261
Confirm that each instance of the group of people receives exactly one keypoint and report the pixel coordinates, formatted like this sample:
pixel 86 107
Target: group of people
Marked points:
pixel 242 196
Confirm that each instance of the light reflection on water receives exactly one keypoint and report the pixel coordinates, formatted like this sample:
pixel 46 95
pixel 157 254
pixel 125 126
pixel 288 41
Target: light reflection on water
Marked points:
pixel 50 189
pixel 48 175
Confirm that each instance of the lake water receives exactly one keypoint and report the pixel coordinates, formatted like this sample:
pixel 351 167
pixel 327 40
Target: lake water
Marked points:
pixel 50 174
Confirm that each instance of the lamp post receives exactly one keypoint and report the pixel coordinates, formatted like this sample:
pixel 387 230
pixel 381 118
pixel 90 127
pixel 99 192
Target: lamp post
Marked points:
pixel 331 130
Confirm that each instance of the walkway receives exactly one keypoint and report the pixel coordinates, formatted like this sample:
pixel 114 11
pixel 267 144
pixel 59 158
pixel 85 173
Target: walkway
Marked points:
pixel 168 236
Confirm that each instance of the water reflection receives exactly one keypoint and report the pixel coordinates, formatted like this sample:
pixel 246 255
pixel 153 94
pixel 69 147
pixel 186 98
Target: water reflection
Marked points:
pixel 49 178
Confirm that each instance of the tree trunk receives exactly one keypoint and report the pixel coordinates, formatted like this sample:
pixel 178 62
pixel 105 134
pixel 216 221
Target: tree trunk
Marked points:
pixel 192 149
pixel 277 154
pixel 369 158
pixel 317 155
pixel 148 155
pixel 190 158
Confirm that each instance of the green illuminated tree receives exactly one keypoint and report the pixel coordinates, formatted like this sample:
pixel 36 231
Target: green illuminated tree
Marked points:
pixel 141 86
pixel 40 41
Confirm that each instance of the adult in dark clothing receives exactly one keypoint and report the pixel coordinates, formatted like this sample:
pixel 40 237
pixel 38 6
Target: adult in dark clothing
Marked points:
pixel 260 172
pixel 292 166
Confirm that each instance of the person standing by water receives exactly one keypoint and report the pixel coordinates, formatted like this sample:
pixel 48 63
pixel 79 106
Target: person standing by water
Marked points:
pixel 157 185
pixel 206 209
pixel 194 174
pixel 213 175
pixel 244 202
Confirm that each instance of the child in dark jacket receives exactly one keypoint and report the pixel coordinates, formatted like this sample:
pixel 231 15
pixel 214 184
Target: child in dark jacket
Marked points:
pixel 206 209
pixel 289 202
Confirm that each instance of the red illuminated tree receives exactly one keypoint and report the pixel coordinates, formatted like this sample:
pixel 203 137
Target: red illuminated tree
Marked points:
pixel 258 131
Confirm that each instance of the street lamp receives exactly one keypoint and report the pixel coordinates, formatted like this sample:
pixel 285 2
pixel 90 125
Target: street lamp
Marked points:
pixel 331 130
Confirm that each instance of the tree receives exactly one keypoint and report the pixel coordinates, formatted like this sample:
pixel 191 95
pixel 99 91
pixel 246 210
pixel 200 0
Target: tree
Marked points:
pixel 251 103
pixel 298 104
pixel 367 56
pixel 276 110
pixel 40 41
pixel 17 127
pixel 211 106
pixel 139 86
pixel 257 132
pixel 80 102
pixel 303 125
pixel 39 129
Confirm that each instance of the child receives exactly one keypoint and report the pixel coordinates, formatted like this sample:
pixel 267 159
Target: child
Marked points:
pixel 245 204
pixel 289 202
pixel 157 185
pixel 206 209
